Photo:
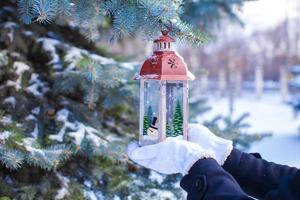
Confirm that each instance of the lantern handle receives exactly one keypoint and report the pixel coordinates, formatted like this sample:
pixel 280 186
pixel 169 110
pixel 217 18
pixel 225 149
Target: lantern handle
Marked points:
pixel 169 27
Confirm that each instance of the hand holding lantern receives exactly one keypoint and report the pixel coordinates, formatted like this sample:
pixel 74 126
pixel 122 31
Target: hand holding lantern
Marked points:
pixel 177 156
pixel 168 157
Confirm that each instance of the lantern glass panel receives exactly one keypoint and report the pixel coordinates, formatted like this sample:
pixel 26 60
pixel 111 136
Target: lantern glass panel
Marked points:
pixel 151 112
pixel 174 109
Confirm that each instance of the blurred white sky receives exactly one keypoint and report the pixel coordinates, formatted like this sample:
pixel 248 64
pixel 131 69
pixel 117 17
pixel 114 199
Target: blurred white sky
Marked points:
pixel 262 14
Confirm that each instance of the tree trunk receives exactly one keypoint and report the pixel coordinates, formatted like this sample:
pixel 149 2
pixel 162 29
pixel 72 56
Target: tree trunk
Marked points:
pixel 284 90
pixel 222 81
pixel 204 83
pixel 259 81
pixel 239 82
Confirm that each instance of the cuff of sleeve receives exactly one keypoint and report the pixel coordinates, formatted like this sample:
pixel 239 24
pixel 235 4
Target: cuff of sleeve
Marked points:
pixel 226 152
pixel 192 160
pixel 232 162
pixel 201 167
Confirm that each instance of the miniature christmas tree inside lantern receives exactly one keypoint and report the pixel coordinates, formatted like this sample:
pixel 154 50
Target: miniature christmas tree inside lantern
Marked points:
pixel 163 94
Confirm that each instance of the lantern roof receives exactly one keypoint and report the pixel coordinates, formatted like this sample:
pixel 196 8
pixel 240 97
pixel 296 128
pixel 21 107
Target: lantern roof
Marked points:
pixel 164 37
pixel 165 65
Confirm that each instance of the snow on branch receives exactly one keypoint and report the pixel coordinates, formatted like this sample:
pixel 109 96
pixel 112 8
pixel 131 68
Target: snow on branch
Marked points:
pixel 76 130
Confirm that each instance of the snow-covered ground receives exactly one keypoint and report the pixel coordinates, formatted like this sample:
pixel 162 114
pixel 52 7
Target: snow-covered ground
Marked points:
pixel 269 115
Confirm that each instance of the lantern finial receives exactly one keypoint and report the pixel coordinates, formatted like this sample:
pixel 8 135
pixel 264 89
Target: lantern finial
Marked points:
pixel 165 37
pixel 165 32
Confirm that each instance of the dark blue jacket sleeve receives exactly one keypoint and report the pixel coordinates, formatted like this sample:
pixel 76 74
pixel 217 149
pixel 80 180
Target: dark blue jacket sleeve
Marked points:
pixel 262 179
pixel 245 174
pixel 207 180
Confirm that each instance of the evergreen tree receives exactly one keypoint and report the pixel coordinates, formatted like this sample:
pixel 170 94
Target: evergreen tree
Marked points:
pixel 145 124
pixel 234 130
pixel 177 120
pixel 15 150
pixel 169 131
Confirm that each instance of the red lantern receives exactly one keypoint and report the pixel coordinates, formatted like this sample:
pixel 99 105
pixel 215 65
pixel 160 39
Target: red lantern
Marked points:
pixel 163 93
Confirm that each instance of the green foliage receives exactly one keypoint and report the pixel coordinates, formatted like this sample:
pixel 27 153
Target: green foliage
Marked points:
pixel 169 130
pixel 98 73
pixel 3 58
pixel 28 192
pixel 14 152
pixel 209 14
pixel 117 180
pixel 49 158
pixel 197 107
pixel 46 158
pixel 136 16
pixel 128 17
pixel 4 198
pixel 145 124
pixel 25 10
pixel 44 11
pixel 17 134
pixel 92 78
pixel 11 159
pixel 75 192
pixel 234 130
pixel 104 50
pixel 177 120
pixel 2 112
pixel 86 147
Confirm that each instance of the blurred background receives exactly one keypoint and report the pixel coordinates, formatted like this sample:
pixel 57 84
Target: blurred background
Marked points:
pixel 68 103
pixel 255 69
pixel 248 71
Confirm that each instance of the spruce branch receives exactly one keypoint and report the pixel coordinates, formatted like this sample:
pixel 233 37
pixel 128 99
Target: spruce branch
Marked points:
pixel 10 158
pixel 92 77
pixel 25 9
pixel 44 10
pixel 49 158
pixel 128 18
pixel 234 130
pixel 64 7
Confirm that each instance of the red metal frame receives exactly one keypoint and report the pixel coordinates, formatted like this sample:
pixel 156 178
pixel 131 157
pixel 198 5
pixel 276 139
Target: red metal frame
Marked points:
pixel 165 64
